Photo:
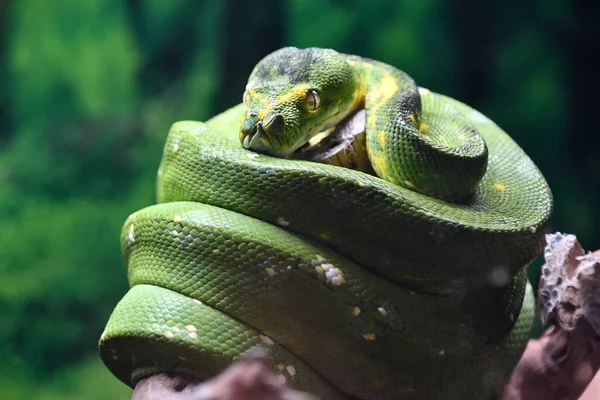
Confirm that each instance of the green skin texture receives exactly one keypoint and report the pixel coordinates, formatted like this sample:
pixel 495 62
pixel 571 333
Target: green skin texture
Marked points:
pixel 359 288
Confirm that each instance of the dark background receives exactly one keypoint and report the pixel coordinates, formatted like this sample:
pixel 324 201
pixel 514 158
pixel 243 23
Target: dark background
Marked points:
pixel 88 90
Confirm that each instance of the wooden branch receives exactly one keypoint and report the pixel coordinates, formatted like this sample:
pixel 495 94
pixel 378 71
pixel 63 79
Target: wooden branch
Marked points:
pixel 248 379
pixel 561 364
pixel 558 366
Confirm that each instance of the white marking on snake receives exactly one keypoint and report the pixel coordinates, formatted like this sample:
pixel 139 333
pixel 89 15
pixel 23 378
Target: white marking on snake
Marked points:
pixel 270 271
pixel 177 218
pixel 267 340
pixel 355 311
pixel 382 311
pixel 169 335
pixel 281 379
pixel 369 336
pixel 333 274
pixel 131 235
pixel 281 221
pixel 198 301
pixel 337 280
pixel 191 328
pixel 291 370
pixel 176 144
pixel 193 335
pixel 252 156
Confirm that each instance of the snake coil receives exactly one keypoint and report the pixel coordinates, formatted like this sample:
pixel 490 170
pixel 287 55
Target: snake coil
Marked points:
pixel 409 287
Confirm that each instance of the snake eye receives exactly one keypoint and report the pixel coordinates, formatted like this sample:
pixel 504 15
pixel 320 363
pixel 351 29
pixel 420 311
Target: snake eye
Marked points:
pixel 313 100
pixel 246 98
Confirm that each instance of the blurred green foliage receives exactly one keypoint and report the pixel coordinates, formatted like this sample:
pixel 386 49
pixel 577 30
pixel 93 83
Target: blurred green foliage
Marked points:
pixel 90 88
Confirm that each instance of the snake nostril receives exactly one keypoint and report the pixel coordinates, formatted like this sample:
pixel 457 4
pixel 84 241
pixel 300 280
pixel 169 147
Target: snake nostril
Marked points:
pixel 253 114
pixel 276 124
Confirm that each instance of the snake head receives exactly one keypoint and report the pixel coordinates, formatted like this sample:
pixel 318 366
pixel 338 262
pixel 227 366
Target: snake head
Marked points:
pixel 293 94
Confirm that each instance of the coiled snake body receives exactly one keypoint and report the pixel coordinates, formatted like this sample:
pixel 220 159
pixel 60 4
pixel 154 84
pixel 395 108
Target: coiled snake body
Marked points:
pixel 408 284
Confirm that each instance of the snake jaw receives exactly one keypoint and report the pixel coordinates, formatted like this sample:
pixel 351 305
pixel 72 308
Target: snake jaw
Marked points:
pixel 262 136
pixel 257 138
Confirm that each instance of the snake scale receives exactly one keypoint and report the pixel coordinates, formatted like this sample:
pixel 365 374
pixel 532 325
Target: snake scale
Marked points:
pixel 404 283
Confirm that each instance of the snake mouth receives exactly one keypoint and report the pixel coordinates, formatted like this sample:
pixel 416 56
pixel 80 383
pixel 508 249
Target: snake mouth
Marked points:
pixel 257 138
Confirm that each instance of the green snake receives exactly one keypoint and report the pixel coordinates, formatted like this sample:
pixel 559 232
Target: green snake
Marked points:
pixel 405 282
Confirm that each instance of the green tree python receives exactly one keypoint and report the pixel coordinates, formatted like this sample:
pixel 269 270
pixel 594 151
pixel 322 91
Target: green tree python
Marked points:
pixel 405 282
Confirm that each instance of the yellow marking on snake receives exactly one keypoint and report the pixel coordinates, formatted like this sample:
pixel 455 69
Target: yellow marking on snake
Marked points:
pixel 423 127
pixel 359 94
pixel 299 92
pixel 382 92
pixel 380 163
pixel 381 138
pixel 499 186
